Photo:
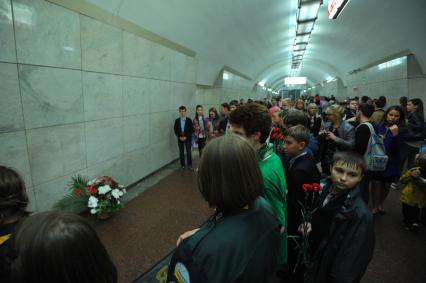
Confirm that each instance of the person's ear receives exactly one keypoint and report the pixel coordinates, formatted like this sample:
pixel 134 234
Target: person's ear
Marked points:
pixel 302 145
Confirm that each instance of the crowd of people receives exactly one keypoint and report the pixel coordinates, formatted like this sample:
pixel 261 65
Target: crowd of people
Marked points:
pixel 257 160
pixel 297 143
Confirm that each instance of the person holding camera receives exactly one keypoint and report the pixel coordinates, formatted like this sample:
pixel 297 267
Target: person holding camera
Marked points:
pixel 337 135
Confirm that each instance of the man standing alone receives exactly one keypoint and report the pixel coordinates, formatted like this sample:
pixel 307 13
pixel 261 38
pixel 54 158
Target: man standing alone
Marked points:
pixel 183 131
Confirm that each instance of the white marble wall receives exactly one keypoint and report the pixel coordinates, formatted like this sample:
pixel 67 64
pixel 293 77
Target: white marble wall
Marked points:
pixel 375 81
pixel 234 87
pixel 82 97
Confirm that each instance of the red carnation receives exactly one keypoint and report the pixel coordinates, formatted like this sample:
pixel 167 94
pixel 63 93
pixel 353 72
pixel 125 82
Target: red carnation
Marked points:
pixel 317 187
pixel 77 192
pixel 307 187
pixel 276 130
pixel 280 136
pixel 273 136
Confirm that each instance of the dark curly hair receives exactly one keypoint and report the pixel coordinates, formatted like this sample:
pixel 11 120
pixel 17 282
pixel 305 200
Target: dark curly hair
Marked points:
pixel 253 117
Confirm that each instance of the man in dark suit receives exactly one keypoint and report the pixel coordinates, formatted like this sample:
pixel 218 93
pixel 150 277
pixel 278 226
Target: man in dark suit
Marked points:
pixel 183 131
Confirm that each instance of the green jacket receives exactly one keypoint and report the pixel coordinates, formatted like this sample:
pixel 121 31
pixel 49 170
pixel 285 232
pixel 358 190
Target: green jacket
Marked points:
pixel 275 188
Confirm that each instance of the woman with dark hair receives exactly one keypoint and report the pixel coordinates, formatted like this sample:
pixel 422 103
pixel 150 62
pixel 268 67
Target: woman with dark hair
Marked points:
pixel 392 129
pixel 13 205
pixel 214 120
pixel 59 247
pixel 240 242
pixel 416 130
pixel 202 128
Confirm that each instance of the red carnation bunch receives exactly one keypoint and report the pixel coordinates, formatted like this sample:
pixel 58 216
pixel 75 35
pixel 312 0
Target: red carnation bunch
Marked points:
pixel 277 138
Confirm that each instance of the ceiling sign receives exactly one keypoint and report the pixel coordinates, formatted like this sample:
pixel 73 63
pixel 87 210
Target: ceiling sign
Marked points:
pixel 335 7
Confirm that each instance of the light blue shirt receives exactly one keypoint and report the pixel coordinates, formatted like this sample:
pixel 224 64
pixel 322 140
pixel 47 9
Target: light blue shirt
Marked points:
pixel 182 123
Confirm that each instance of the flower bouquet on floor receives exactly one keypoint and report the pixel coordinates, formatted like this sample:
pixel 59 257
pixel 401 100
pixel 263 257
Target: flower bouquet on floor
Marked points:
pixel 101 195
pixel 312 192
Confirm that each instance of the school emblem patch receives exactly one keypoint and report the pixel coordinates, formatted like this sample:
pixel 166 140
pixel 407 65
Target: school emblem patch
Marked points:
pixel 181 273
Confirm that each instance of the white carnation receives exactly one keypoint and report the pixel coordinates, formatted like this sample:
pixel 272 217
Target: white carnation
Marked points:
pixel 91 182
pixel 104 189
pixel 116 193
pixel 93 202
pixel 93 211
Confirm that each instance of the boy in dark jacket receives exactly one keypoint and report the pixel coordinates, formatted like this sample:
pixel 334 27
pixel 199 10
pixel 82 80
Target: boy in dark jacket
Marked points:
pixel 301 170
pixel 342 231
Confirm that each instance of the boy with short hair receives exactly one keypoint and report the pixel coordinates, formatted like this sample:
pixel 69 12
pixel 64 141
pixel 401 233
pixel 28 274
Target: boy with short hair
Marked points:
pixel 342 230
pixel 301 170
pixel 253 122
pixel 184 129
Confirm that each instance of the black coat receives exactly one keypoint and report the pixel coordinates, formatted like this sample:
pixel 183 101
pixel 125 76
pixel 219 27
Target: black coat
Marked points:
pixel 302 171
pixel 416 127
pixel 188 130
pixel 241 247
pixel 342 239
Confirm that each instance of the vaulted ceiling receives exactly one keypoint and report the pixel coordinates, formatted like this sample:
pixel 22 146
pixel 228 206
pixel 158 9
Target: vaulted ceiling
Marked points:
pixel 255 37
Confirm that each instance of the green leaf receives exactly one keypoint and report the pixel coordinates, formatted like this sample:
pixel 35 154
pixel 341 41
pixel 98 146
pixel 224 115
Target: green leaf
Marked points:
pixel 72 203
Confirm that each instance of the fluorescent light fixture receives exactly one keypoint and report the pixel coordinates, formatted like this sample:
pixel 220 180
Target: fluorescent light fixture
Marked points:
pixel 297 53
pixel 299 47
pixel 305 27
pixel 295 80
pixel 308 10
pixel 335 8
pixel 390 63
pixel 302 38
pixel 226 76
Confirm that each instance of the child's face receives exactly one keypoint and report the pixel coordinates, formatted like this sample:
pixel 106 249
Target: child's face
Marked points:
pixel 345 177
pixel 293 147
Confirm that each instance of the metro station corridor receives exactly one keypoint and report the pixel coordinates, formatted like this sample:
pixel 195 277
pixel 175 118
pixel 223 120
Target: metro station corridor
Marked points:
pixel 108 108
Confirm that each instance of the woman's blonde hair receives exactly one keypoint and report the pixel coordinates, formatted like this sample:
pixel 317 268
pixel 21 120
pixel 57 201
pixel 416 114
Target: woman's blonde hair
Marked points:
pixel 335 109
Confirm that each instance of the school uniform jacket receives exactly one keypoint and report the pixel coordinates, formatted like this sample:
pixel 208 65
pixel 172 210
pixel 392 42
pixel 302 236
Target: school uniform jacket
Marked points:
pixel 239 247
pixel 188 130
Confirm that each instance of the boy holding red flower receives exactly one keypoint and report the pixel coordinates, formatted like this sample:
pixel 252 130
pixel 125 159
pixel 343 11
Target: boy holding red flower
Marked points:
pixel 301 172
pixel 341 231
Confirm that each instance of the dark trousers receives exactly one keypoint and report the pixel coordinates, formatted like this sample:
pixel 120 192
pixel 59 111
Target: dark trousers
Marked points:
pixel 201 144
pixel 410 153
pixel 186 144
pixel 412 214
pixel 365 187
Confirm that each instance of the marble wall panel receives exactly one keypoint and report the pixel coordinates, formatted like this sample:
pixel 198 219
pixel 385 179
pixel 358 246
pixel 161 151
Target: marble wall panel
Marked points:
pixel 51 96
pixel 32 202
pixel 7 39
pixel 104 140
pixel 47 194
pixel 101 46
pixel 11 118
pixel 160 127
pixel 161 154
pixel 56 151
pixel 46 34
pixel 160 96
pixel 136 96
pixel 160 62
pixel 136 55
pixel 190 70
pixel 14 154
pixel 136 131
pixel 103 96
pixel 139 164
pixel 115 167
pixel 177 67
pixel 416 87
